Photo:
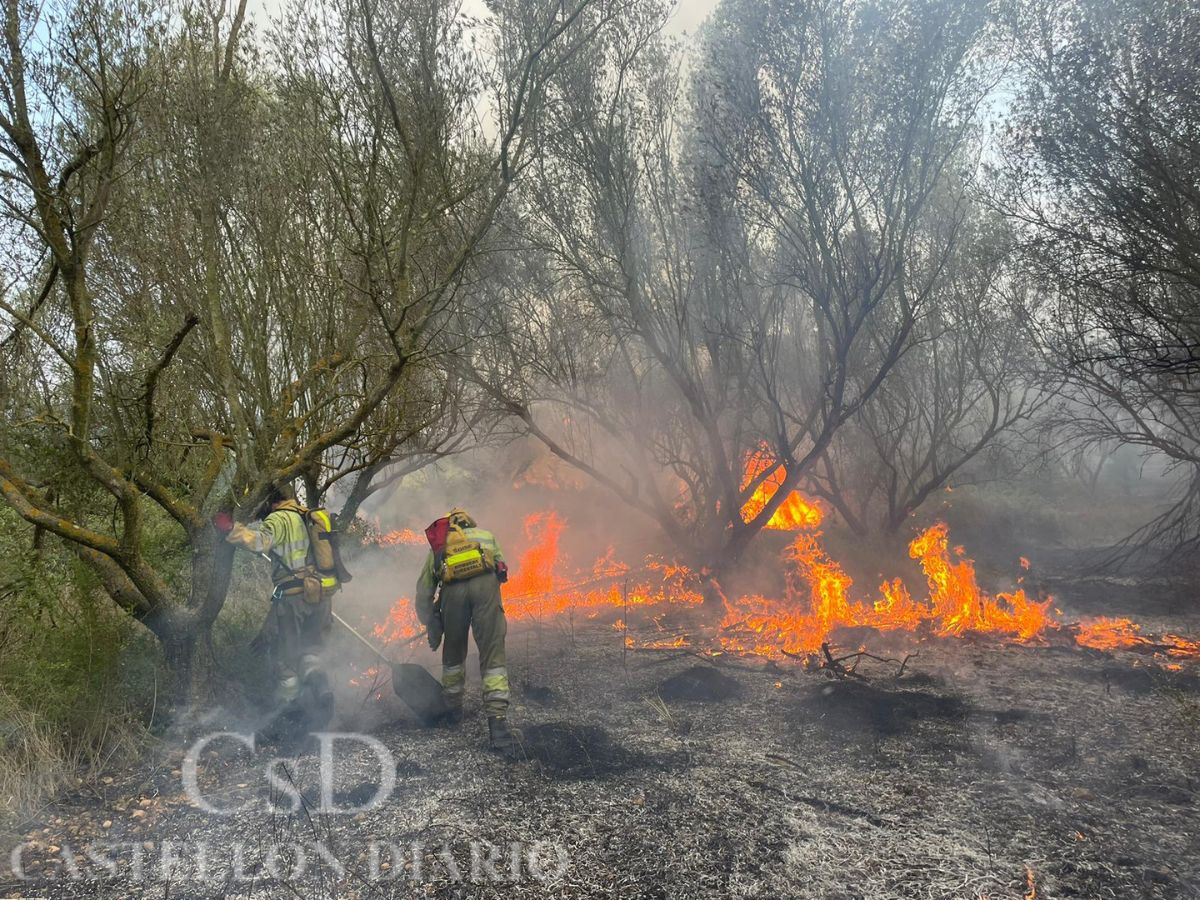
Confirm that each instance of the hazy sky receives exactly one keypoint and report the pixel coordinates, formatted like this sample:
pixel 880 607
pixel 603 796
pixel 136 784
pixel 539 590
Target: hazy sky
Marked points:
pixel 687 16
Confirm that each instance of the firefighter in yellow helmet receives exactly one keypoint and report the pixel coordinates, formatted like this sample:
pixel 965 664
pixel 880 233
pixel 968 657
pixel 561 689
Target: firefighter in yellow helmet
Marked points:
pixel 459 590
pixel 301 614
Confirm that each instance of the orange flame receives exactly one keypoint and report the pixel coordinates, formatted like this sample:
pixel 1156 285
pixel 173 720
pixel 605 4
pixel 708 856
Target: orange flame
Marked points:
pixel 793 514
pixel 818 602
pixel 535 571
pixel 399 536
pixel 1104 633
pixel 401 623
pixel 816 599
pixel 958 603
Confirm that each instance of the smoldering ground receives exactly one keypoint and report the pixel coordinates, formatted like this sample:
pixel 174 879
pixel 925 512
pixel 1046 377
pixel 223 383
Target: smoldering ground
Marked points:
pixel 982 771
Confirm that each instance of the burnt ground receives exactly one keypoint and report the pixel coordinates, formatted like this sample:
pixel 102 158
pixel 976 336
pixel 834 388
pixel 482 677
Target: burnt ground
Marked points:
pixel 981 771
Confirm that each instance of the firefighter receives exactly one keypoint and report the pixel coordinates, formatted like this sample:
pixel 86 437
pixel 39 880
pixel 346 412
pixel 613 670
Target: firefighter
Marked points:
pixel 459 590
pixel 301 613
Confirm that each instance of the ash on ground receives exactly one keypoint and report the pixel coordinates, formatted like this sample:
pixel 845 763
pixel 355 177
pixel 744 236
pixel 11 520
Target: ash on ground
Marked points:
pixel 984 771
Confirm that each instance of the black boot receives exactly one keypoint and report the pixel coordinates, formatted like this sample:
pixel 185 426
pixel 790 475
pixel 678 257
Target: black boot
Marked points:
pixel 503 739
pixel 452 717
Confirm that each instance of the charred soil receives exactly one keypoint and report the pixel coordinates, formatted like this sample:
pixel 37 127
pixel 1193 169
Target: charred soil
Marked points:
pixel 984 770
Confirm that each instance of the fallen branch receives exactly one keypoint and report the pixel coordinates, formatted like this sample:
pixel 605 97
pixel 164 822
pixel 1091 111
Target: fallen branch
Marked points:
pixel 835 664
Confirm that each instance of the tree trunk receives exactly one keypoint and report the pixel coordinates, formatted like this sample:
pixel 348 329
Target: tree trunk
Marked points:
pixel 179 652
pixel 185 640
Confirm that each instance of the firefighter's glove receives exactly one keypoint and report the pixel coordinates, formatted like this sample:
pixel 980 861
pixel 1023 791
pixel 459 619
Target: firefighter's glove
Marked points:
pixel 502 572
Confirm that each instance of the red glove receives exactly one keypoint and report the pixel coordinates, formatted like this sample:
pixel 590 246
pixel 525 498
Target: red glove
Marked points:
pixel 223 522
pixel 502 572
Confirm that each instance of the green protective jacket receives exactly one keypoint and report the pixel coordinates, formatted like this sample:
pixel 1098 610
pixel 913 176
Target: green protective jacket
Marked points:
pixel 428 581
pixel 282 534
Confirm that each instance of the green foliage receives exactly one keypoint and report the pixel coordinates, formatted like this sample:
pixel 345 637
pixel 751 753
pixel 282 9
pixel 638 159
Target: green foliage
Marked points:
pixel 82 685
pixel 78 679
pixel 62 648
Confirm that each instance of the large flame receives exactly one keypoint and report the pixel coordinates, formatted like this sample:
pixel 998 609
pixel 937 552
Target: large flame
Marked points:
pixel 816 600
pixel 536 571
pixel 960 606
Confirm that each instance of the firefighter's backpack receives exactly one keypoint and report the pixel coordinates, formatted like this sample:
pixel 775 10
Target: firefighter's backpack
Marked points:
pixel 323 556
pixel 463 558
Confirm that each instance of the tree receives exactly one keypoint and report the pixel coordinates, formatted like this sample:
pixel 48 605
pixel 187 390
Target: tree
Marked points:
pixel 235 274
pixel 1104 176
pixel 740 271
pixel 970 377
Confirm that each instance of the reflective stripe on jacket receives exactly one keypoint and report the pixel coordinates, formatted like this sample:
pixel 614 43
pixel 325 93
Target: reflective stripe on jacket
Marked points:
pixel 283 535
pixel 428 580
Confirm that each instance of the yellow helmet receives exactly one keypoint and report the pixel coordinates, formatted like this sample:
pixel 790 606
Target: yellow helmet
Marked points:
pixel 460 517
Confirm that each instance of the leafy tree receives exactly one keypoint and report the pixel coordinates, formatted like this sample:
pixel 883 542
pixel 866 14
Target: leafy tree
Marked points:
pixel 234 271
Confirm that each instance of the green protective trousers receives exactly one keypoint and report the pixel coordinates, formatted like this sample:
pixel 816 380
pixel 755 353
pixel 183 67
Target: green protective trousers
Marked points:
pixel 474 605
pixel 298 631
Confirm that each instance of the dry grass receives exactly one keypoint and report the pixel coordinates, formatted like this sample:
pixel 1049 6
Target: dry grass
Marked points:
pixel 38 759
pixel 662 713
pixel 32 764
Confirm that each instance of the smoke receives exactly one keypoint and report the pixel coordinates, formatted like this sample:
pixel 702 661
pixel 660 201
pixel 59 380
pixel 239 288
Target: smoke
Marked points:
pixel 506 489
